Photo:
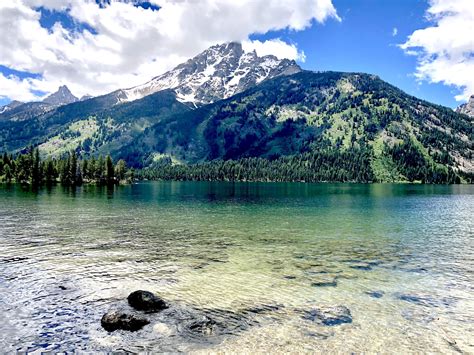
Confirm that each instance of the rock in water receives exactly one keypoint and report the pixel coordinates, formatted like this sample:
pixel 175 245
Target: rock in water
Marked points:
pixel 114 320
pixel 204 326
pixel 375 294
pixel 329 315
pixel 146 301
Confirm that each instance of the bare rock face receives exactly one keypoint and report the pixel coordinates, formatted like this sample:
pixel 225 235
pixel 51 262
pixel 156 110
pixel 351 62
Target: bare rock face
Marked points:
pixel 146 301
pixel 61 97
pixel 115 320
pixel 467 108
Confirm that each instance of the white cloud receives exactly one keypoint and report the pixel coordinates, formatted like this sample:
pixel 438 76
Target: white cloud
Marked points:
pixel 445 49
pixel 12 83
pixel 277 47
pixel 130 44
pixel 394 32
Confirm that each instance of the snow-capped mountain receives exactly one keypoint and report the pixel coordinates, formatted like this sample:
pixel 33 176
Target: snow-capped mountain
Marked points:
pixel 61 97
pixel 217 73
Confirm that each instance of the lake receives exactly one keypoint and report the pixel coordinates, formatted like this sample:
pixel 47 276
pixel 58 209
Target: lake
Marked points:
pixel 260 262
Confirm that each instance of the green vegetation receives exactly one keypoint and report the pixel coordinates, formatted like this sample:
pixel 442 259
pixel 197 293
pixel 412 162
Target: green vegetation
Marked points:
pixel 28 168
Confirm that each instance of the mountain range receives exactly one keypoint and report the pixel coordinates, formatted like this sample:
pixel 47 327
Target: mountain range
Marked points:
pixel 229 104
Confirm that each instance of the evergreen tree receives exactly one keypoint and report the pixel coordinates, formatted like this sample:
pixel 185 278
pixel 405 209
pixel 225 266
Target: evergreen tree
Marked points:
pixel 65 171
pixel 50 173
pixel 73 168
pixel 120 170
pixel 36 171
pixel 23 169
pixel 99 170
pixel 85 169
pixel 110 174
pixel 92 165
pixel 8 173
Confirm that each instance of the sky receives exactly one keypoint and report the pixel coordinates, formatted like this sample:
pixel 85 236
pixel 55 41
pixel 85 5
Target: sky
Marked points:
pixel 425 47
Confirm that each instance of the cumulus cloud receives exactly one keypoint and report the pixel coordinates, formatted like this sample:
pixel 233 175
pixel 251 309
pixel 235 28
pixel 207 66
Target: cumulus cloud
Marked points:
pixel 21 88
pixel 277 47
pixel 394 31
pixel 122 45
pixel 445 50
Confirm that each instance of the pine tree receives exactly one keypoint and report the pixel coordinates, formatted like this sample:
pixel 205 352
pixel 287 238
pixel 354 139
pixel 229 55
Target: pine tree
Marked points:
pixel 85 169
pixel 99 171
pixel 73 168
pixel 65 170
pixel 8 173
pixel 109 166
pixel 36 171
pixel 120 170
pixel 50 173
pixel 92 168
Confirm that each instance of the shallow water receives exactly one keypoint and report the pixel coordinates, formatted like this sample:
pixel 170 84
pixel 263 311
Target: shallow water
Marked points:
pixel 254 258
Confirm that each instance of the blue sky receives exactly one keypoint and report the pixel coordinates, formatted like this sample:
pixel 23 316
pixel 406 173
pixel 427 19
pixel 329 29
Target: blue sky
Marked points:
pixel 96 49
pixel 364 41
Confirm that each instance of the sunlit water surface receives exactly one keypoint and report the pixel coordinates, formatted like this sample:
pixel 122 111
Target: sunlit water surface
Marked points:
pixel 255 258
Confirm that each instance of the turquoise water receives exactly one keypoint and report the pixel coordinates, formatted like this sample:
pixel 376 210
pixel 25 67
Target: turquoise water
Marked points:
pixel 254 257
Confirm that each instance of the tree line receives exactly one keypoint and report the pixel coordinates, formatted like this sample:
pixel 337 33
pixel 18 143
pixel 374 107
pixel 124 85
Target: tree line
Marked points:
pixel 69 170
pixel 316 166
pixel 325 165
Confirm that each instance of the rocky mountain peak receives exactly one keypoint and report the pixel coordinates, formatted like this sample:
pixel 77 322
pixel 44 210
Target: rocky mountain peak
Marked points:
pixel 467 108
pixel 61 97
pixel 219 72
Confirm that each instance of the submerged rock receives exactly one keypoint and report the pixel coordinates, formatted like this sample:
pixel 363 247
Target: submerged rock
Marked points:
pixel 331 283
pixel 205 326
pixel 146 301
pixel 361 267
pixel 264 308
pixel 162 329
pixel 375 294
pixel 329 315
pixel 114 320
pixel 425 300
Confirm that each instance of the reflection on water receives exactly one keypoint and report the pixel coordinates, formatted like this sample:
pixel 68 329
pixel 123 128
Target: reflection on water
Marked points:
pixel 245 267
